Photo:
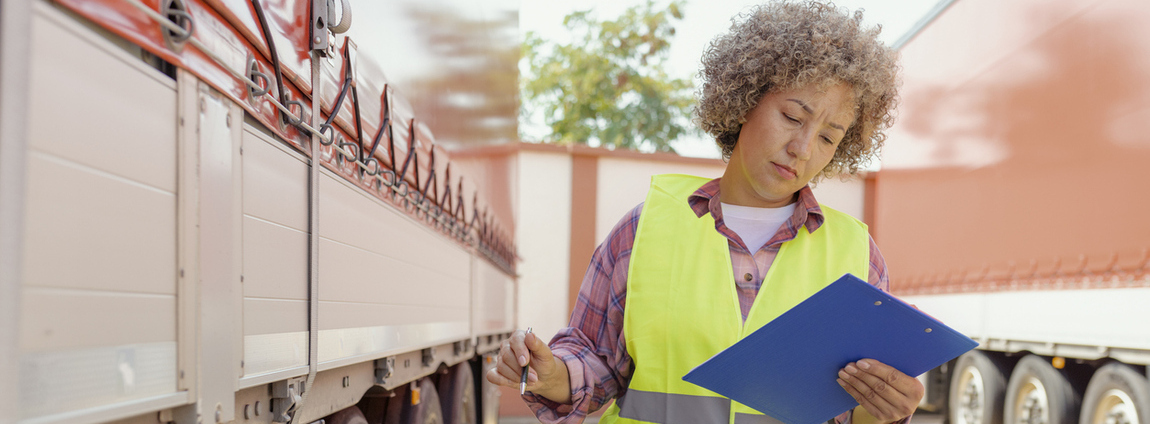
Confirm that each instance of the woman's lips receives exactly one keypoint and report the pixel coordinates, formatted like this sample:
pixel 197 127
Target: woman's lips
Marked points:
pixel 785 171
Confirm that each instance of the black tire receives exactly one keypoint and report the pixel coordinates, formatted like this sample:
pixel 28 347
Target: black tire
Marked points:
pixel 350 415
pixel 1116 394
pixel 457 393
pixel 977 388
pixel 393 414
pixel 427 411
pixel 488 393
pixel 373 404
pixel 1039 394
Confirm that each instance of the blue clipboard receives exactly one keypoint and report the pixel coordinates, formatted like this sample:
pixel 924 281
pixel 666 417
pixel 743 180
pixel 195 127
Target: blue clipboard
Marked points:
pixel 788 368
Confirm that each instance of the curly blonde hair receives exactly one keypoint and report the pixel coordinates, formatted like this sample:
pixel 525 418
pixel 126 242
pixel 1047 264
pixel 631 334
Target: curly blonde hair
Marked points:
pixel 785 45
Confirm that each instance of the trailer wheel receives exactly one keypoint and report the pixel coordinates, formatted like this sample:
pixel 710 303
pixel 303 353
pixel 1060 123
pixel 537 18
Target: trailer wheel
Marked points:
pixel 1040 394
pixel 457 392
pixel 427 411
pixel 350 415
pixel 488 392
pixel 976 390
pixel 1116 395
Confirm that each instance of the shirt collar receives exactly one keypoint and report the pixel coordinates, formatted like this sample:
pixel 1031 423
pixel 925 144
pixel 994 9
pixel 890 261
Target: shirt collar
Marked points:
pixel 807 211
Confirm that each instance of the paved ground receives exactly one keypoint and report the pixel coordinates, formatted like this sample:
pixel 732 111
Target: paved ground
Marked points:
pixel 921 418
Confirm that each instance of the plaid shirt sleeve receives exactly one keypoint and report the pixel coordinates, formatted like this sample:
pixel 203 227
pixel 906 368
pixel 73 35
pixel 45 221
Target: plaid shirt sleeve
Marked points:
pixel 877 276
pixel 592 346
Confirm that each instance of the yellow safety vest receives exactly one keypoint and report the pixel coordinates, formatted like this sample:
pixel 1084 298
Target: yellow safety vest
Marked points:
pixel 682 305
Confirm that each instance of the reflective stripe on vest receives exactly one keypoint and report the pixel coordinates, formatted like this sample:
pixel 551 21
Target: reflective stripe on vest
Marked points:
pixel 669 408
pixel 682 305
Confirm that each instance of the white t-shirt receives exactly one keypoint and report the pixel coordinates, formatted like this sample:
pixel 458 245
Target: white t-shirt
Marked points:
pixel 754 225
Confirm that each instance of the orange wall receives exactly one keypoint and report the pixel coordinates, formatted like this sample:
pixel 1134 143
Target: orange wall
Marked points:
pixel 1022 145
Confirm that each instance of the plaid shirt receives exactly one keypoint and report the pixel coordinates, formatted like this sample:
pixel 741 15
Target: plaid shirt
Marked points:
pixel 593 347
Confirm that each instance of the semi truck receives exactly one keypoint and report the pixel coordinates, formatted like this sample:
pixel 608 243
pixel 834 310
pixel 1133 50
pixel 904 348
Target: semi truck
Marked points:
pixel 234 211
pixel 1011 205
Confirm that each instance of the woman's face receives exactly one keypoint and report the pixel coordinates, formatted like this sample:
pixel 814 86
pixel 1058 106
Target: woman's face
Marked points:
pixel 787 139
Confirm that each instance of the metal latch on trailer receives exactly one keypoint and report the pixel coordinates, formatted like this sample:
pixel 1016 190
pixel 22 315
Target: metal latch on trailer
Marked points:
pixel 286 396
pixel 384 367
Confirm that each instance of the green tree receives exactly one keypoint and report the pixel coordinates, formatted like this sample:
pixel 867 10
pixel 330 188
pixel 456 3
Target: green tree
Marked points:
pixel 609 83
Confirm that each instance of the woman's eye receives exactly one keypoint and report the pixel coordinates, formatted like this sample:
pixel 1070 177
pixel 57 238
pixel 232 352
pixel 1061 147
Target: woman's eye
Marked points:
pixel 828 140
pixel 792 119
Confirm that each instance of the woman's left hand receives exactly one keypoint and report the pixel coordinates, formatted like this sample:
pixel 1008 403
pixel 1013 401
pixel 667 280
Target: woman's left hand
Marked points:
pixel 885 393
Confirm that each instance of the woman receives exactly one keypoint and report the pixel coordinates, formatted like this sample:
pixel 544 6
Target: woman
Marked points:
pixel 795 92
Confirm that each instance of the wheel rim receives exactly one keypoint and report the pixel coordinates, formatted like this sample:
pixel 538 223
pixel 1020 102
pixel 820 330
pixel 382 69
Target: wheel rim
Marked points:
pixel 1031 405
pixel 1115 407
pixel 972 397
pixel 469 404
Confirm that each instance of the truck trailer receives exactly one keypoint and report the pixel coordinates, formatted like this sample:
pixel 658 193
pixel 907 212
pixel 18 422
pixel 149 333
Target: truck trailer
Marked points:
pixel 1012 202
pixel 234 211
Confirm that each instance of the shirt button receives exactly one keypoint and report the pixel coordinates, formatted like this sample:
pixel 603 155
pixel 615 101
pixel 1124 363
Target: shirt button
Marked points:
pixel 748 277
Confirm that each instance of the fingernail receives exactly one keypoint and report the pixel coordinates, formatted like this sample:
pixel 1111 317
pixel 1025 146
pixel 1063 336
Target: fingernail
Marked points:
pixel 843 375
pixel 522 361
pixel 851 369
pixel 864 365
pixel 841 382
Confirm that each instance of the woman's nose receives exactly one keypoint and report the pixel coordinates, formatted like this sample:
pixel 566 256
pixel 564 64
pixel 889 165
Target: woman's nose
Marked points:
pixel 800 146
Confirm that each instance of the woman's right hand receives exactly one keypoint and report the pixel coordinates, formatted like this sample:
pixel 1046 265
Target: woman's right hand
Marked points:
pixel 547 376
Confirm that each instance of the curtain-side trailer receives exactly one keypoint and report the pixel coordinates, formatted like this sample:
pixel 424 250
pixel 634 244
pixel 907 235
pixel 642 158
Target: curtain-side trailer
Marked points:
pixel 233 211
pixel 1012 205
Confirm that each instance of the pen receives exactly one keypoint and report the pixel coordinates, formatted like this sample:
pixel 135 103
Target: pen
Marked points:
pixel 523 378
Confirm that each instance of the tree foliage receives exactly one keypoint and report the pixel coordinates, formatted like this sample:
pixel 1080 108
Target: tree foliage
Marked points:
pixel 609 84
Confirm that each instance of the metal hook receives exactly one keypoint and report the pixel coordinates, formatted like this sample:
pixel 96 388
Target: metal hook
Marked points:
pixel 327 140
pixel 428 209
pixel 181 18
pixel 395 190
pixel 344 156
pixel 389 183
pixel 299 118
pixel 177 12
pixel 254 75
pixel 370 172
pixel 415 198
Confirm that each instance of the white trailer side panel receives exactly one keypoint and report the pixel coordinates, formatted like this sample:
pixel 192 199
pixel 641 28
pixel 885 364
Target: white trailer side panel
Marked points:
pixel 387 283
pixel 275 259
pixel 1087 323
pixel 98 304
pixel 493 300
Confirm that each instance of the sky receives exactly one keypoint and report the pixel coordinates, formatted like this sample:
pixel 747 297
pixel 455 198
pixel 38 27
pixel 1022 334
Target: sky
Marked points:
pixel 702 21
